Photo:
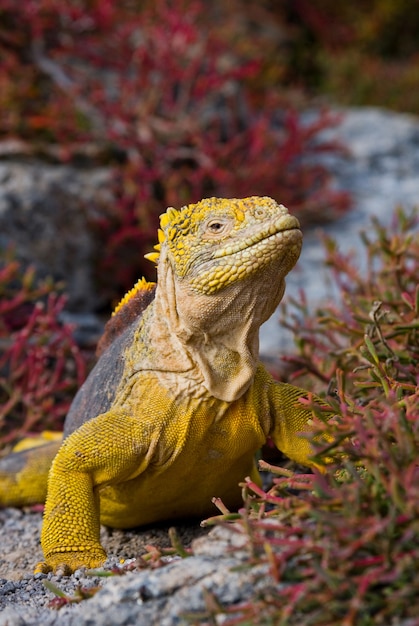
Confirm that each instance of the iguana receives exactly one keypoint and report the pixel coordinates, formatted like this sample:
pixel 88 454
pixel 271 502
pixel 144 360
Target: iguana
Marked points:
pixel 178 402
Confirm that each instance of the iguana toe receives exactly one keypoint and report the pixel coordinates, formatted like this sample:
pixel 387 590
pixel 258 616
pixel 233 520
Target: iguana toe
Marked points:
pixel 65 563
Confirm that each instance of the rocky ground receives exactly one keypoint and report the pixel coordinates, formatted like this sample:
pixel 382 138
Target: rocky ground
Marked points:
pixel 174 593
pixel 380 170
pixel 26 595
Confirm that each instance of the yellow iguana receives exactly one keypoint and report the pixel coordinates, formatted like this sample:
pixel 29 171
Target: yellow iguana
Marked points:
pixel 178 403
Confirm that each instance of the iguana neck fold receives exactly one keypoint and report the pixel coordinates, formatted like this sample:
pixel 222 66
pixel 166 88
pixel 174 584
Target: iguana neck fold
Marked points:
pixel 213 339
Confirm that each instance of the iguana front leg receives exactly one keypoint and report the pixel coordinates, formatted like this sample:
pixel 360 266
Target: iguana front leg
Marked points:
pixel 109 449
pixel 290 421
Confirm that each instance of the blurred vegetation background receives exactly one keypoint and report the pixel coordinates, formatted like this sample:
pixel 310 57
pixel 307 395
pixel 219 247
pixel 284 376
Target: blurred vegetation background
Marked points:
pixel 180 99
pixel 187 99
pixel 359 53
pixel 184 99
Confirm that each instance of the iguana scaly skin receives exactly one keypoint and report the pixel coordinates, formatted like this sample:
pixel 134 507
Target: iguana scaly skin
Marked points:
pixel 178 402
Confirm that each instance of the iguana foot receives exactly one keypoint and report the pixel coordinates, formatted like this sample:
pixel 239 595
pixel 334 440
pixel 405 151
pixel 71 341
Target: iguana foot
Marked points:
pixel 65 563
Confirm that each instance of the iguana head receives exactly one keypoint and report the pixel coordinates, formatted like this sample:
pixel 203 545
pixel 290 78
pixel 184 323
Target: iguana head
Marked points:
pixel 221 270
pixel 219 242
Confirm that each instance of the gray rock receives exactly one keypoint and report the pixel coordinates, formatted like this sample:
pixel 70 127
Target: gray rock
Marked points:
pixel 44 212
pixel 165 596
pixel 7 587
pixel 10 617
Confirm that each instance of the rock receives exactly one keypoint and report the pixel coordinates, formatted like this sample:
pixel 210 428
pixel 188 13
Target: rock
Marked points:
pixel 44 213
pixel 167 595
pixel 10 617
pixel 164 596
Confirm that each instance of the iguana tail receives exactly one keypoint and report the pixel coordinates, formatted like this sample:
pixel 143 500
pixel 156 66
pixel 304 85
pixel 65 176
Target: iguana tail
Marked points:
pixel 24 472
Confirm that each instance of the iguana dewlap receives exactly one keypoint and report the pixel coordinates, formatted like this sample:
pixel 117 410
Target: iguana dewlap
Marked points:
pixel 178 402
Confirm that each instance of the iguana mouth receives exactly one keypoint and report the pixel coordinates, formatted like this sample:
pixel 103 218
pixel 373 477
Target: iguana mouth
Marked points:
pixel 279 240
pixel 279 225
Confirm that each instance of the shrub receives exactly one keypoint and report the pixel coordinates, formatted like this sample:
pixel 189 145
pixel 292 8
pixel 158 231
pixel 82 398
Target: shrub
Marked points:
pixel 377 310
pixel 40 364
pixel 358 53
pixel 174 106
pixel 345 549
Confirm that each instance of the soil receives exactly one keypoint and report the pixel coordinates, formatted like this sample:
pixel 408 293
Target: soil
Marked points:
pixel 20 551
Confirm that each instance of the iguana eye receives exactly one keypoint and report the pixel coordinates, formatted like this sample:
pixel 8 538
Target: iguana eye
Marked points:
pixel 217 227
